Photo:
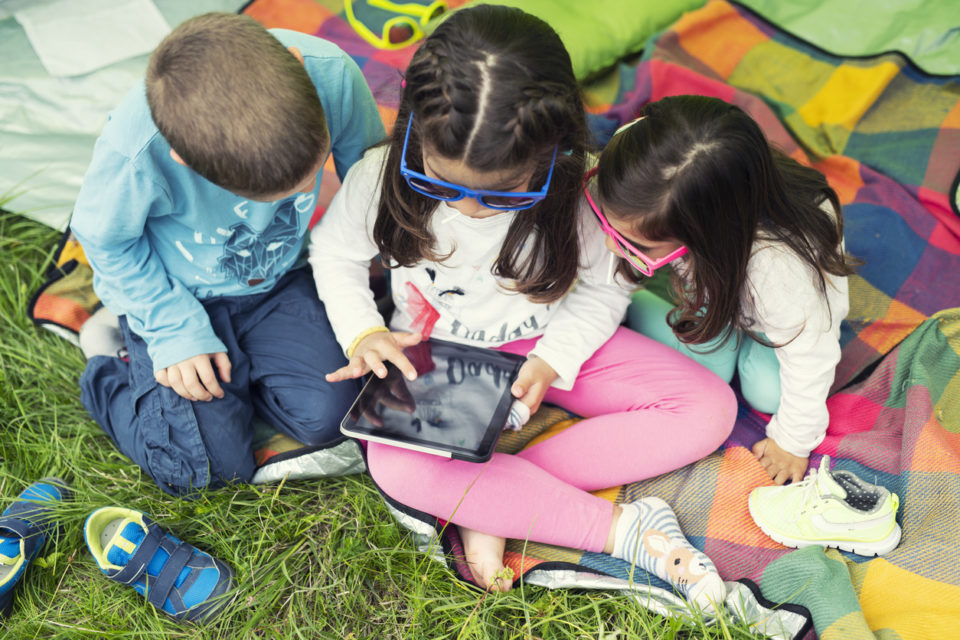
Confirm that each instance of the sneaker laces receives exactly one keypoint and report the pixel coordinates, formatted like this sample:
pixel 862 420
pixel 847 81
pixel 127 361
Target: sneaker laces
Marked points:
pixel 811 490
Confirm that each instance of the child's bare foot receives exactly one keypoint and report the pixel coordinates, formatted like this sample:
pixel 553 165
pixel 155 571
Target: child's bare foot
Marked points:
pixel 484 555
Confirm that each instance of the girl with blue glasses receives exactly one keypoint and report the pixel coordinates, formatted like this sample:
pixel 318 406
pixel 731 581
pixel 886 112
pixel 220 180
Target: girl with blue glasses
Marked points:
pixel 475 205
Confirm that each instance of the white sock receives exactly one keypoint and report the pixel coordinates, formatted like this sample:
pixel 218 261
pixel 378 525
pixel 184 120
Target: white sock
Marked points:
pixel 649 536
pixel 100 335
pixel 519 416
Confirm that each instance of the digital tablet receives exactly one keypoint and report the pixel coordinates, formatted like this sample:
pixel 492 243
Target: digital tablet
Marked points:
pixel 455 408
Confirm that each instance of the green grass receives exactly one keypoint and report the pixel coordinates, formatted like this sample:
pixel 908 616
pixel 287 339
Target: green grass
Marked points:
pixel 317 559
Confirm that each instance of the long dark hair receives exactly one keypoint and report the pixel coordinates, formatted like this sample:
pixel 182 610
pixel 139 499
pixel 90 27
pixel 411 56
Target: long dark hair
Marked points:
pixel 699 170
pixel 493 87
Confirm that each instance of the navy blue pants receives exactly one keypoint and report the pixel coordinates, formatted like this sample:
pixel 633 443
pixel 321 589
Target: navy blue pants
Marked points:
pixel 280 345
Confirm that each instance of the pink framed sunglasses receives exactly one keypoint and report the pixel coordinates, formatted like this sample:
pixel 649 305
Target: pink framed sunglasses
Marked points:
pixel 637 259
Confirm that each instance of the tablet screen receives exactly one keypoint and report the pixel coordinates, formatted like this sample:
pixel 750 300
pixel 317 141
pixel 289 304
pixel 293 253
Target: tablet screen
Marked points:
pixel 458 404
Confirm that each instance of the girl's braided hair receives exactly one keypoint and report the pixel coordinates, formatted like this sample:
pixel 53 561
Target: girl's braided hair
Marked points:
pixel 492 87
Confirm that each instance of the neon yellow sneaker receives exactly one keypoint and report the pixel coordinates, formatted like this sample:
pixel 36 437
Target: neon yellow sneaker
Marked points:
pixel 829 509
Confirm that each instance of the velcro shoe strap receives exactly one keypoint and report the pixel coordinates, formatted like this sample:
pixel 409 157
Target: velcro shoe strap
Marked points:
pixel 20 527
pixel 157 592
pixel 137 565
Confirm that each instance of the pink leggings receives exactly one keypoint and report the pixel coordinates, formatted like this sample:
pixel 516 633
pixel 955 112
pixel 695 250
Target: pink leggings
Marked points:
pixel 649 409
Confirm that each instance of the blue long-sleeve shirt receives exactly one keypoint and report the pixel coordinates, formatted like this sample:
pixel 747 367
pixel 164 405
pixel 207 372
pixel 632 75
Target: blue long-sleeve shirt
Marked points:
pixel 160 238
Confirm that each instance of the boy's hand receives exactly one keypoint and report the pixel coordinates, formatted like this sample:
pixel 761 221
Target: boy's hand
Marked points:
pixel 373 351
pixel 194 378
pixel 533 381
pixel 781 465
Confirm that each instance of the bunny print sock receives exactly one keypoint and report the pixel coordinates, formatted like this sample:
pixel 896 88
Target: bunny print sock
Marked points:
pixel 648 535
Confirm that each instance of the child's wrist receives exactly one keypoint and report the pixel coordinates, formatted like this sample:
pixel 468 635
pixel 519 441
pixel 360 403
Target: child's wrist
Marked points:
pixel 363 334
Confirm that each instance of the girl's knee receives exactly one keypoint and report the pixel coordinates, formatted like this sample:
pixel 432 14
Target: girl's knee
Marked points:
pixel 718 412
pixel 759 372
pixel 762 393
pixel 397 470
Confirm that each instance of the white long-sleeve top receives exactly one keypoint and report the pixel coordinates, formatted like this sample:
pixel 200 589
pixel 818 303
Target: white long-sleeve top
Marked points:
pixel 466 302
pixel 784 301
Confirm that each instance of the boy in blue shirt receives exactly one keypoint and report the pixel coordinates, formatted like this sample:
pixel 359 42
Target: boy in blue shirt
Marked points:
pixel 193 215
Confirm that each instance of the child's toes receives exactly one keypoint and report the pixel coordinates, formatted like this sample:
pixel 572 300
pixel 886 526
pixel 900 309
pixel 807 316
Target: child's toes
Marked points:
pixel 484 555
pixel 493 576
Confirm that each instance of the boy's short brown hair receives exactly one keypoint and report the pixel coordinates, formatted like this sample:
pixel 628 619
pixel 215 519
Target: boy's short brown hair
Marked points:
pixel 236 105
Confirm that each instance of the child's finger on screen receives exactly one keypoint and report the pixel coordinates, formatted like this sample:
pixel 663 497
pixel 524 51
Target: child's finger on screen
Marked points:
pixel 533 397
pixel 403 363
pixel 354 369
pixel 398 389
pixel 529 393
pixel 371 415
pixel 374 361
pixel 397 404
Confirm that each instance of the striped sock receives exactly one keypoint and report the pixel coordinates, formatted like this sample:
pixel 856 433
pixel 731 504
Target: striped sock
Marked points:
pixel 649 536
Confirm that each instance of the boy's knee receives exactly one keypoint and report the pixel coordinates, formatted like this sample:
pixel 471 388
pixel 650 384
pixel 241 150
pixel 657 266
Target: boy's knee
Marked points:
pixel 186 446
pixel 317 432
pixel 181 475
pixel 313 417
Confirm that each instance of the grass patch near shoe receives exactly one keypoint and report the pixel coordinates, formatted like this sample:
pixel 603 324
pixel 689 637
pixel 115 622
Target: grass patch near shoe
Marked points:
pixel 829 509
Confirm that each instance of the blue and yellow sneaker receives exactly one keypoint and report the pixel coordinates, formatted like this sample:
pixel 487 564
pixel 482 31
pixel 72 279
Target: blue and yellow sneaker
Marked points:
pixel 172 575
pixel 829 509
pixel 25 527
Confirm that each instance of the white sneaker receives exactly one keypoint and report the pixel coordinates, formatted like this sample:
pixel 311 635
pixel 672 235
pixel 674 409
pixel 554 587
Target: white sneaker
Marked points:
pixel 829 509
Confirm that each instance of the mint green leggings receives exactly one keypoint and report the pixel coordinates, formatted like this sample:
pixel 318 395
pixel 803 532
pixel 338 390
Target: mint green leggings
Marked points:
pixel 757 363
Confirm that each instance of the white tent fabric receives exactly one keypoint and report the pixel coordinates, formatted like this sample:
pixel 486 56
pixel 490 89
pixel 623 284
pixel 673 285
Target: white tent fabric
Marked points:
pixel 48 125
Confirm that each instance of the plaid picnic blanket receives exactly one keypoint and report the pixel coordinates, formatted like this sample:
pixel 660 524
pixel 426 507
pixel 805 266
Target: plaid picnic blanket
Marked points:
pixel 886 137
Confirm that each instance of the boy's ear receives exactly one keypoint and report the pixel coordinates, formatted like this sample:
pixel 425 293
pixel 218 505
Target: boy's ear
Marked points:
pixel 176 157
pixel 296 53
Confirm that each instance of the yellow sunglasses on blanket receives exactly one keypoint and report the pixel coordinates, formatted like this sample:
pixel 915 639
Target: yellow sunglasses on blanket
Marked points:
pixel 397 31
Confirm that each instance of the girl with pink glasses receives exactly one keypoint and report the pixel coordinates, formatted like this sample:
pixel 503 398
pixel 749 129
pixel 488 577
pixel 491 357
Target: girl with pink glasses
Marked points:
pixel 475 205
pixel 756 244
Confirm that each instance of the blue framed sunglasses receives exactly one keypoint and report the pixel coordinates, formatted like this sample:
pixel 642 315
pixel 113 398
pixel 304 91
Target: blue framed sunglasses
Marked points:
pixel 449 192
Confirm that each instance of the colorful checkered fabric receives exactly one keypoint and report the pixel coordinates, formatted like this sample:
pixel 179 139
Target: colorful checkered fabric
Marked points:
pixel 887 138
